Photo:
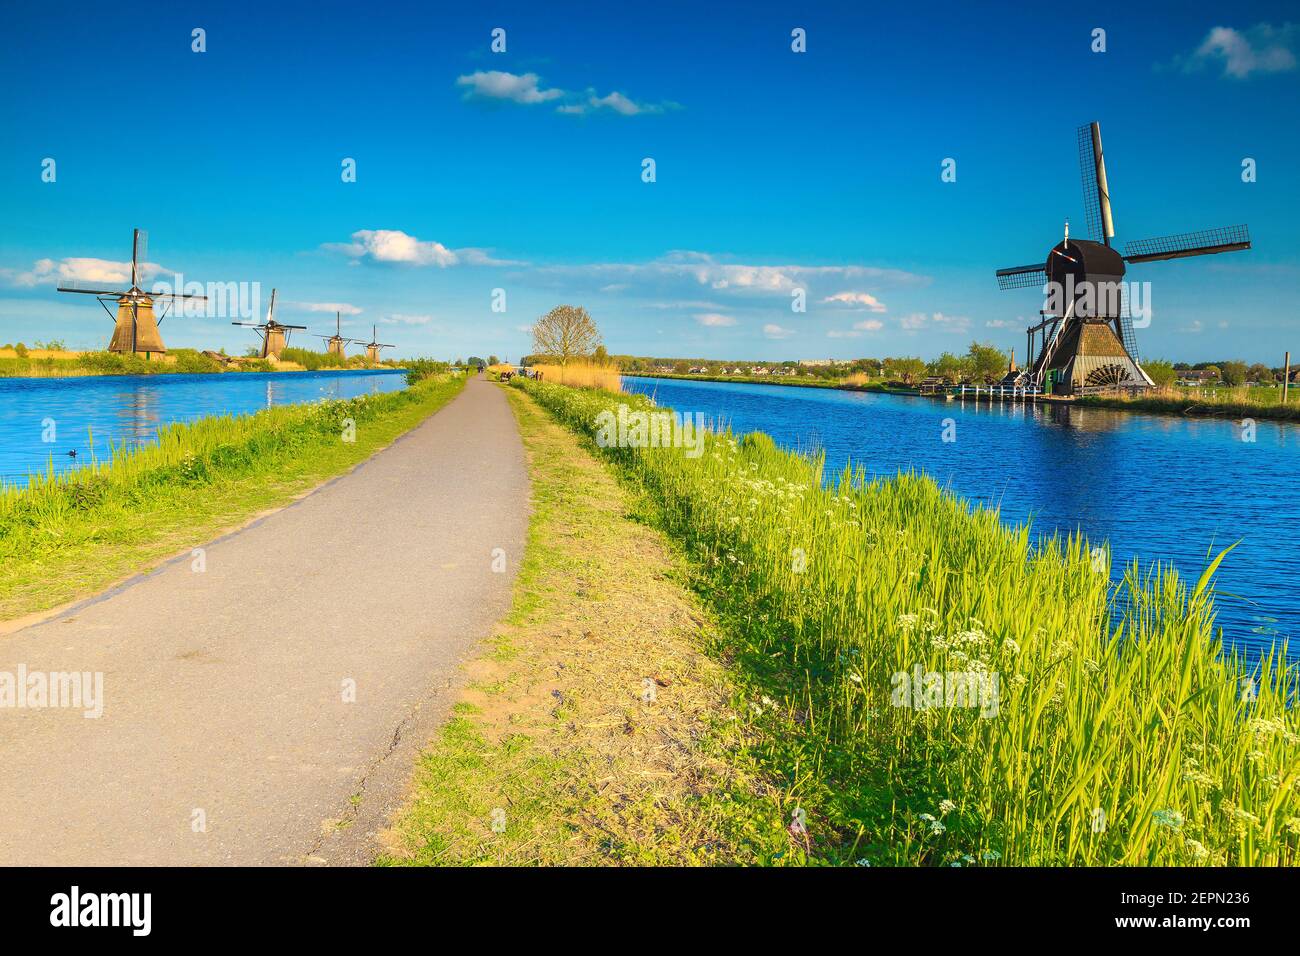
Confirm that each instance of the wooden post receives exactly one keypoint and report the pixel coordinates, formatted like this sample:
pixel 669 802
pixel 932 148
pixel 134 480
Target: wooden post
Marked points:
pixel 1286 376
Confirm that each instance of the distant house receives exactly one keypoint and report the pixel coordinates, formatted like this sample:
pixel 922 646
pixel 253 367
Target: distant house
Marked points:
pixel 1198 376
pixel 816 363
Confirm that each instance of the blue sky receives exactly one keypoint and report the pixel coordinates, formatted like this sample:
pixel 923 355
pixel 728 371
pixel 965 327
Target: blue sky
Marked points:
pixel 522 170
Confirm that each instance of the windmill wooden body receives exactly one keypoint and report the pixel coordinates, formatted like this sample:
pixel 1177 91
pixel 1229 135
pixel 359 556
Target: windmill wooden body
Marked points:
pixel 373 346
pixel 336 344
pixel 274 335
pixel 1084 340
pixel 135 325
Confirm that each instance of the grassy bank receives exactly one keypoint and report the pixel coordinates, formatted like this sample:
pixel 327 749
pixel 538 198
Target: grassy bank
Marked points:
pixel 1226 403
pixel 852 384
pixel 595 725
pixel 1090 725
pixel 176 361
pixel 65 536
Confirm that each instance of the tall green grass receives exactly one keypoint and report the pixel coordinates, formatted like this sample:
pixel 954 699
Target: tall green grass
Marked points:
pixel 1123 734
pixel 186 361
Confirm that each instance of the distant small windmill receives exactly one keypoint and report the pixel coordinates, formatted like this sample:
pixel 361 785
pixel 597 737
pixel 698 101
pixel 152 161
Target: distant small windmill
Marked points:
pixel 373 346
pixel 1085 342
pixel 136 328
pixel 274 335
pixel 336 343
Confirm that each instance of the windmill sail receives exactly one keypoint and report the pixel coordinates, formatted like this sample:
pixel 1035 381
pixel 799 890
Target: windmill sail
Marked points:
pixel 1022 277
pixel 1096 190
pixel 139 255
pixel 1126 325
pixel 1207 242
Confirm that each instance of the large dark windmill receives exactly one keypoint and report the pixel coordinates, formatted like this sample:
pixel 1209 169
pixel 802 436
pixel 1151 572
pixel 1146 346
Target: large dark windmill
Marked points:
pixel 1084 340
pixel 135 328
pixel 274 335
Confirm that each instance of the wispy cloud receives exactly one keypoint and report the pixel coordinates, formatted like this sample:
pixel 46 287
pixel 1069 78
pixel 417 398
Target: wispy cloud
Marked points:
pixel 402 318
pixel 329 307
pixel 867 325
pixel 935 321
pixel 1262 48
pixel 614 102
pixel 714 319
pixel 724 275
pixel 858 301
pixel 774 331
pixel 394 245
pixel 526 88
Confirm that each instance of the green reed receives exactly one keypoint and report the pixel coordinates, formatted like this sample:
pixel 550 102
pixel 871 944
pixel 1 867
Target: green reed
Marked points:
pixel 1123 733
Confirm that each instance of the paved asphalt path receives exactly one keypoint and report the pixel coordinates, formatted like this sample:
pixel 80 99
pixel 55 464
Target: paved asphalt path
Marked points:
pixel 224 690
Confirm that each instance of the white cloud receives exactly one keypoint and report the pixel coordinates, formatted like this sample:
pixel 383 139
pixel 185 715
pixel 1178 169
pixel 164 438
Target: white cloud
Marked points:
pixel 1196 328
pixel 773 331
pixel 714 319
pixel 1262 48
pixel 869 325
pixel 999 324
pixel 935 321
pixel 499 85
pixel 861 300
pixel 329 307
pixel 394 245
pixel 526 329
pixel 526 88
pixel 81 269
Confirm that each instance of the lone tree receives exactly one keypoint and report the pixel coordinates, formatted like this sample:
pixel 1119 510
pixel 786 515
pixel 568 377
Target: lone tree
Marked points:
pixel 566 332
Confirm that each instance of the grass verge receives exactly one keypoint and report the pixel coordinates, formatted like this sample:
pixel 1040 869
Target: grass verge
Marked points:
pixel 595 729
pixel 1235 403
pixel 931 687
pixel 63 537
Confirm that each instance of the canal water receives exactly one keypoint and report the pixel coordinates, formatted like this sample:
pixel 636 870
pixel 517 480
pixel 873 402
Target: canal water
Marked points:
pixel 131 408
pixel 1161 488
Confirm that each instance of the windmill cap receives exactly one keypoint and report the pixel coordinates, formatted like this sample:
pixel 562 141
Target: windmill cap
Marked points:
pixel 1094 259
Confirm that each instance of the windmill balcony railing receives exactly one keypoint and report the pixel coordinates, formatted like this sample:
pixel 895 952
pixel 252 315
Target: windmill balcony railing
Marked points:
pixel 999 392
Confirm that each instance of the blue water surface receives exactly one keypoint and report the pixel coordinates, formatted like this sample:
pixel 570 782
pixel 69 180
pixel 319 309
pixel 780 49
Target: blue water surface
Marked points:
pixel 131 408
pixel 1158 487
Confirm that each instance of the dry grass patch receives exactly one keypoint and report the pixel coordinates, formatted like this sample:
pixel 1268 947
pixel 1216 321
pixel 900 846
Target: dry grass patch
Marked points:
pixel 582 374
pixel 597 724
